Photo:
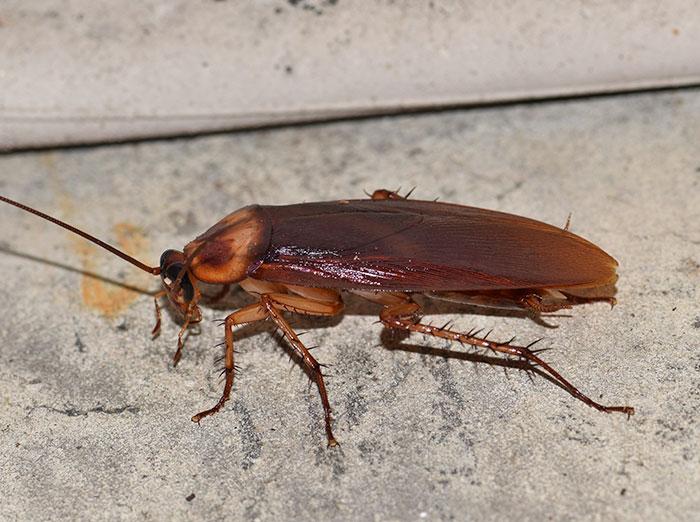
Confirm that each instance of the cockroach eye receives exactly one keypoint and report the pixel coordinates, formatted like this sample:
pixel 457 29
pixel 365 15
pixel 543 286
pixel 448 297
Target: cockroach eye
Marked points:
pixel 167 258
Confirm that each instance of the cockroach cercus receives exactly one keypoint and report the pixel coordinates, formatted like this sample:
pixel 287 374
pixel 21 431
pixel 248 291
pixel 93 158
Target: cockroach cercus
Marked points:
pixel 298 258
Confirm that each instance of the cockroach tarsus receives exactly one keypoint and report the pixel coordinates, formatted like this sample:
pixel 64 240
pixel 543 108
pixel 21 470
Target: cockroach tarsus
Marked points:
pixel 386 249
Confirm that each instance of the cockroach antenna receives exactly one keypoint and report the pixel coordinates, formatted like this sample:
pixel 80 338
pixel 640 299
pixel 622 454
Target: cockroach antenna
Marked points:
pixel 155 270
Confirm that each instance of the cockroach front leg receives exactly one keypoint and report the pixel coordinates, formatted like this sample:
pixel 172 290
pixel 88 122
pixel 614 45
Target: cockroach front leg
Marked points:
pixel 156 329
pixel 180 335
pixel 248 314
pixel 404 316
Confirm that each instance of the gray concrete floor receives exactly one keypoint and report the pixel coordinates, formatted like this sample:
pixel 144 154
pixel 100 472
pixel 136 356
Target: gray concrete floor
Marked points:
pixel 95 422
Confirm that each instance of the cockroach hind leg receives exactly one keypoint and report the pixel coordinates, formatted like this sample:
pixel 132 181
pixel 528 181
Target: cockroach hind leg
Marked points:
pixel 384 194
pixel 396 317
pixel 381 194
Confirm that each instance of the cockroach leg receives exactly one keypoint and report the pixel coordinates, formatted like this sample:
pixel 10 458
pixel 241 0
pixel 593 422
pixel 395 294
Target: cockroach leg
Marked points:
pixel 249 314
pixel 271 306
pixel 257 287
pixel 404 316
pixel 180 342
pixel 384 194
pixel 537 304
pixel 156 329
pixel 574 299
pixel 384 298
pixel 274 304
pixel 301 300
pixel 313 295
pixel 303 305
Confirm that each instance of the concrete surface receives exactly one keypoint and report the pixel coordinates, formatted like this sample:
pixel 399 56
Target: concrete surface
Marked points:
pixel 95 423
pixel 77 71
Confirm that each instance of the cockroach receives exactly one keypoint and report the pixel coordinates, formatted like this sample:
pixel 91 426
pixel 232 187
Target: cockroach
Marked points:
pixel 387 249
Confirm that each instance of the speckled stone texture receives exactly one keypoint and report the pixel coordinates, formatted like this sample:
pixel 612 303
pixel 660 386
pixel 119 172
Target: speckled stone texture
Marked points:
pixel 95 422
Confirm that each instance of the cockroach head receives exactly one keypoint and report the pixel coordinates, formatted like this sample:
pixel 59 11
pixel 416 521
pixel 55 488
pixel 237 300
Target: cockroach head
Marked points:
pixel 179 285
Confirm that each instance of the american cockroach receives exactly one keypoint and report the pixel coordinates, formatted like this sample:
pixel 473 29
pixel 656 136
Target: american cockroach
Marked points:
pixel 298 258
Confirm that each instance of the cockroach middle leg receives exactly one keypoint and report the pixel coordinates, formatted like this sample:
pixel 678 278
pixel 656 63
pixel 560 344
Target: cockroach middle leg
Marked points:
pixel 271 305
pixel 405 316
pixel 274 304
pixel 249 314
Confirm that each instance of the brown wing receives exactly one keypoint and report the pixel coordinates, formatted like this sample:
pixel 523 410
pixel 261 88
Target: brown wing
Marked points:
pixel 408 245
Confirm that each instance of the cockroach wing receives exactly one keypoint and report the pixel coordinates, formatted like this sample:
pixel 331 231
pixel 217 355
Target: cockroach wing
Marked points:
pixel 410 245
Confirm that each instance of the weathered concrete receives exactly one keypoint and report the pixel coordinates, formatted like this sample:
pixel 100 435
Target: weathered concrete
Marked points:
pixel 95 422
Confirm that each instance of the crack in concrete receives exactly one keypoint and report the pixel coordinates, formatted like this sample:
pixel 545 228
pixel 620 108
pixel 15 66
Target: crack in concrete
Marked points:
pixel 71 411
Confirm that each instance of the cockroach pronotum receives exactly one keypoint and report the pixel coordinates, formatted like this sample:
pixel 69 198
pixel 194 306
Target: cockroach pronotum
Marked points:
pixel 298 258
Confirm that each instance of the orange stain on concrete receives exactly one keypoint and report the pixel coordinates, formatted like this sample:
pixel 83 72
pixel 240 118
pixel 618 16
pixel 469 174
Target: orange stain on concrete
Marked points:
pixel 108 299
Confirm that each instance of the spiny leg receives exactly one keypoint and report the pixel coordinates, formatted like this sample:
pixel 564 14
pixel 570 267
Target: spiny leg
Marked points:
pixel 274 304
pixel 251 313
pixel 270 305
pixel 404 316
